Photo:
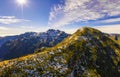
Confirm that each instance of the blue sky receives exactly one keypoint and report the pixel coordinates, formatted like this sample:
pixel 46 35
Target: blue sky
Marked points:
pixel 66 15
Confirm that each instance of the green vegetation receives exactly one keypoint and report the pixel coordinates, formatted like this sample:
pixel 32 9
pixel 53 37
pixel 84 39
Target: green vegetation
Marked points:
pixel 86 53
pixel 116 40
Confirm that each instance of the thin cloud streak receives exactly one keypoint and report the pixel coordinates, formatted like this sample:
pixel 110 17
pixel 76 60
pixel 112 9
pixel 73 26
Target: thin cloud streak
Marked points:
pixel 11 20
pixel 108 20
pixel 3 28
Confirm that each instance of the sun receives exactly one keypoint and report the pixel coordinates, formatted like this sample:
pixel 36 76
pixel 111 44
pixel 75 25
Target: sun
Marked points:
pixel 22 2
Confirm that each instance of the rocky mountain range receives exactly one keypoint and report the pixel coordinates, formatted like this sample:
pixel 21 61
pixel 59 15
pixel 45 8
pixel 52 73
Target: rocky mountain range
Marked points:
pixel 86 53
pixel 20 45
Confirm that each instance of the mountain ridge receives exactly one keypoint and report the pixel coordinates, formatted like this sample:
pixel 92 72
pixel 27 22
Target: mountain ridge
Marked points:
pixel 28 42
pixel 86 53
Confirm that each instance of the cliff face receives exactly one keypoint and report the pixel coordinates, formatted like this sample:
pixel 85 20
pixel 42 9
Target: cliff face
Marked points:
pixel 86 53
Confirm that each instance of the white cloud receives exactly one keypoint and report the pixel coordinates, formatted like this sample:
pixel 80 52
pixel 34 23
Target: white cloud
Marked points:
pixel 3 28
pixel 11 20
pixel 7 17
pixel 82 10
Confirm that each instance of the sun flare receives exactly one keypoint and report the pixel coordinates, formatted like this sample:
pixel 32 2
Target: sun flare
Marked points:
pixel 22 2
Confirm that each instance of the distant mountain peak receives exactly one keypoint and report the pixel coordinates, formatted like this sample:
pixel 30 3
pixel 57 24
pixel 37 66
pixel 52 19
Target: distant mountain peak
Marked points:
pixel 53 30
pixel 28 42
pixel 86 53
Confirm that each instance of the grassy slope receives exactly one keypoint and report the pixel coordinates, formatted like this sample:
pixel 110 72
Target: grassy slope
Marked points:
pixel 62 59
pixel 117 41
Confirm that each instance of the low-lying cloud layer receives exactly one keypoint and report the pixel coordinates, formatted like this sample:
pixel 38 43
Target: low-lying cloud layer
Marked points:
pixel 109 28
pixel 82 10
pixel 9 31
pixel 11 20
